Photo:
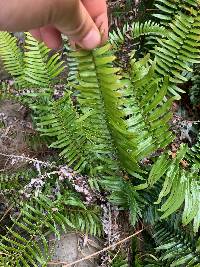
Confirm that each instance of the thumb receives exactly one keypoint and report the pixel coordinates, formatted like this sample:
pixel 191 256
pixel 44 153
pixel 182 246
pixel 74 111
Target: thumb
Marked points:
pixel 68 16
pixel 78 25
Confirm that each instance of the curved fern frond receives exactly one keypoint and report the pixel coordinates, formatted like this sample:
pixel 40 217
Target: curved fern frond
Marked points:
pixel 33 67
pixel 117 37
pixel 135 30
pixel 181 186
pixel 40 69
pixel 12 57
pixel 147 28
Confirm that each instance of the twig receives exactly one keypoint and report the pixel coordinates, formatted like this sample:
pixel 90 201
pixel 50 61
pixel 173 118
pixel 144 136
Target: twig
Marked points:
pixel 27 159
pixel 96 253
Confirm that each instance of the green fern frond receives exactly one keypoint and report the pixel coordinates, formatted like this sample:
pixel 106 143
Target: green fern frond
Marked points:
pixel 175 54
pixel 147 28
pixel 12 57
pixel 112 109
pixel 167 9
pixel 126 197
pixel 117 37
pixel 26 242
pixel 72 65
pixel 146 111
pixel 193 154
pixel 62 122
pixel 135 30
pixel 14 181
pixel 99 92
pixel 97 85
pixel 32 67
pixel 176 246
pixel 40 69
pixel 181 186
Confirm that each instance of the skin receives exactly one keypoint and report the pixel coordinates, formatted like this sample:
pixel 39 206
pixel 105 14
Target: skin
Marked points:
pixel 85 22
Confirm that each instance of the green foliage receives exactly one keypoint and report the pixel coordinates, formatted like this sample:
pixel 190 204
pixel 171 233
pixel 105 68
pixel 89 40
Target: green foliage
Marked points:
pixel 176 42
pixel 168 9
pixel 125 195
pixel 119 261
pixel 60 121
pixel 175 54
pixel 12 184
pixel 39 68
pixel 32 67
pixel 136 30
pixel 177 247
pixel 12 57
pixel 112 125
pixel 96 99
pixel 147 111
pixel 26 242
pixel 181 185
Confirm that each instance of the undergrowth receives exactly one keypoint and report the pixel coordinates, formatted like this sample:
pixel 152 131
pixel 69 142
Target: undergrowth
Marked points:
pixel 110 130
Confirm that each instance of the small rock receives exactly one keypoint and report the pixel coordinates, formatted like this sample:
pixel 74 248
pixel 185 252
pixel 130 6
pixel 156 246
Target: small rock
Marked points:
pixel 73 247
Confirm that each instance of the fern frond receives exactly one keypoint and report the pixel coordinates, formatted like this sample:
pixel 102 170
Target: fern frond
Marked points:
pixel 167 9
pixel 34 66
pixel 147 28
pixel 72 65
pixel 110 112
pixel 12 57
pixel 135 30
pixel 26 243
pixel 117 37
pixel 126 197
pixel 119 261
pixel 40 69
pixel 175 54
pixel 181 186
pixel 99 92
pixel 62 122
pixel 176 246
pixel 14 181
pixel 146 111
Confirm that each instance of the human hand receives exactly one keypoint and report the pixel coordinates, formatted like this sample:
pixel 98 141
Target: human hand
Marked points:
pixel 83 21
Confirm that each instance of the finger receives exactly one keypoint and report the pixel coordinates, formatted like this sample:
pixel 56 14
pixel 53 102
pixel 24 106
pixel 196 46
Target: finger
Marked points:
pixel 68 16
pixel 51 37
pixel 98 12
pixel 79 26
pixel 36 34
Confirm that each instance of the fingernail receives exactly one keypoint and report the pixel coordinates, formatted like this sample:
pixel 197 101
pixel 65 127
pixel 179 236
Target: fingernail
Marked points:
pixel 91 40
